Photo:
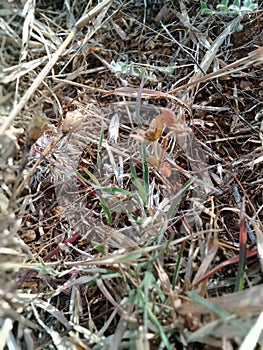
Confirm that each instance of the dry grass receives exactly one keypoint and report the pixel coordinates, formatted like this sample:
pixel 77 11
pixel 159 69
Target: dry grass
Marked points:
pixel 131 177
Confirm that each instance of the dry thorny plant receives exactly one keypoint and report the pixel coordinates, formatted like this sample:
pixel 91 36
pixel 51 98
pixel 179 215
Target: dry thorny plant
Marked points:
pixel 131 176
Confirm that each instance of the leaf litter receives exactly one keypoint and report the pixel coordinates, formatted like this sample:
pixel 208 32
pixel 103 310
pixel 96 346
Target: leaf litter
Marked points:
pixel 131 200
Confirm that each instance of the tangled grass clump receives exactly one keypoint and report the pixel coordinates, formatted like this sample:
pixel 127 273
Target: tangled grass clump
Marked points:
pixel 131 191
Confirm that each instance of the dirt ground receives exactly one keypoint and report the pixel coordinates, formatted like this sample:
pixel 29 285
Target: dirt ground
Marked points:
pixel 131 176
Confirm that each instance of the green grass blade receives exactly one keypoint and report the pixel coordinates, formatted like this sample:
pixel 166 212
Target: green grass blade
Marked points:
pixel 224 315
pixel 138 184
pixel 177 198
pixel 162 334
pixel 106 210
pixel 143 293
pixel 145 172
pixel 116 190
pixel 92 177
pixel 101 138
pixel 177 266
pixel 82 178
pixel 240 281
pixel 104 206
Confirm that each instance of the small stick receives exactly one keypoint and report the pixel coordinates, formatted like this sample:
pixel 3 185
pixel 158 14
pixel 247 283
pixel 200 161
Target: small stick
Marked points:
pixel 254 56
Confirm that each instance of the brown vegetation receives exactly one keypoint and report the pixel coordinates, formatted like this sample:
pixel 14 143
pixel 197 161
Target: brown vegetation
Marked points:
pixel 131 200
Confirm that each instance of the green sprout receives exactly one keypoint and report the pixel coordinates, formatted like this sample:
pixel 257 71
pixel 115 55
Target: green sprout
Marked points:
pixel 137 71
pixel 236 9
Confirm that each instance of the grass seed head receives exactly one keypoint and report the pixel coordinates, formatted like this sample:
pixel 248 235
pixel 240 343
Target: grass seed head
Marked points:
pixel 72 122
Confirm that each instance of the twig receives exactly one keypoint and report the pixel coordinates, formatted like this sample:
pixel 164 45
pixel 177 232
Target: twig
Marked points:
pixel 254 56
